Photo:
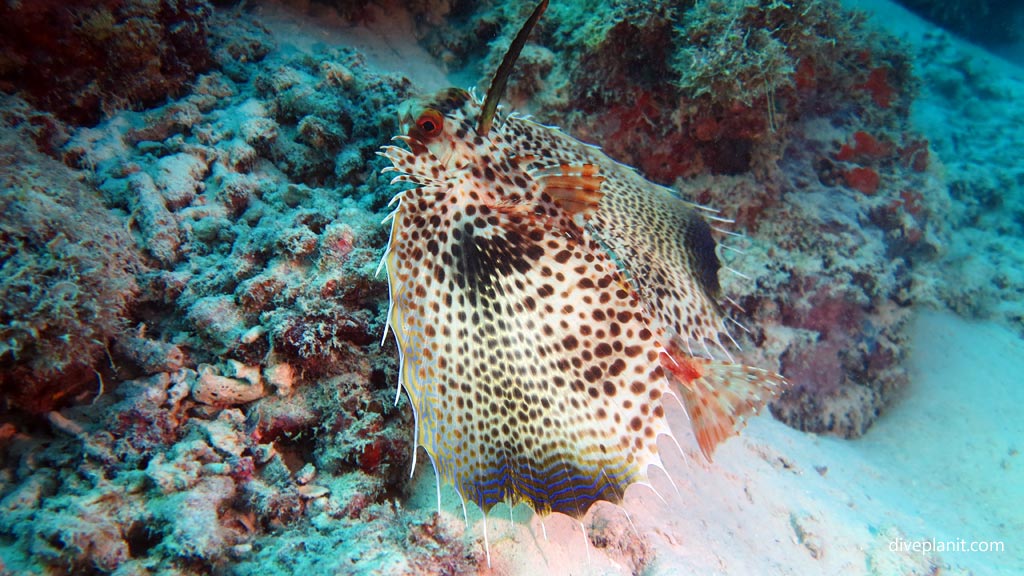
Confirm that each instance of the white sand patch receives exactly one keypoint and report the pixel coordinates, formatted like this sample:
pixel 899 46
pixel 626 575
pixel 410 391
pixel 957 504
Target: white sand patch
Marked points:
pixel 943 464
pixel 386 37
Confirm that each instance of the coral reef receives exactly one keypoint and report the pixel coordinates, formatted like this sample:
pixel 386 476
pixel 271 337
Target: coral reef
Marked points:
pixel 67 270
pixel 980 272
pixel 255 204
pixel 834 238
pixel 82 59
pixel 203 272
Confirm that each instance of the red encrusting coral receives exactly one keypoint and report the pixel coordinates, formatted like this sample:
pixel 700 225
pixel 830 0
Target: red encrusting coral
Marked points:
pixel 914 154
pixel 878 86
pixel 805 76
pixel 636 127
pixel 865 148
pixel 863 179
pixel 912 202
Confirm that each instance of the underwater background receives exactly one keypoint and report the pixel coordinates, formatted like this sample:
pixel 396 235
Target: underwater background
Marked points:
pixel 191 373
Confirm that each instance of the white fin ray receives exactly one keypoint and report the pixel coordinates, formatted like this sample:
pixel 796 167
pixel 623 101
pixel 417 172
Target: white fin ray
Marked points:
pixel 735 304
pixel 737 272
pixel 727 232
pixel 738 323
pixel 725 330
pixel 487 545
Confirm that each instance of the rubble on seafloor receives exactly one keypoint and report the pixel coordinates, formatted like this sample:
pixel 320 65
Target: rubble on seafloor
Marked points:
pixel 191 373
pixel 148 479
pixel 980 271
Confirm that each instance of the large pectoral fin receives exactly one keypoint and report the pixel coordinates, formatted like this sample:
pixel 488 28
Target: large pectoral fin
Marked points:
pixel 665 246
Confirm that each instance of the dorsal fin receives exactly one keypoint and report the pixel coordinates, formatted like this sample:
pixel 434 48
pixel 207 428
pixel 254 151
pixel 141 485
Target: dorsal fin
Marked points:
pixel 500 80
pixel 573 188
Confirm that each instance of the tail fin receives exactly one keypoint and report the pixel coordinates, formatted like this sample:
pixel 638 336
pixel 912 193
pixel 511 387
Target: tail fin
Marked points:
pixel 719 396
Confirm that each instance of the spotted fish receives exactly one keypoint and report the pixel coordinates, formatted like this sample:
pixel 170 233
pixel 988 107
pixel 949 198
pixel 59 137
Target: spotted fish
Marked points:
pixel 546 300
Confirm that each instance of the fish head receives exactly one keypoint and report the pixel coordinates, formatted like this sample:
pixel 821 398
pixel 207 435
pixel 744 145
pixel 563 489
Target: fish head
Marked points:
pixel 447 156
pixel 443 125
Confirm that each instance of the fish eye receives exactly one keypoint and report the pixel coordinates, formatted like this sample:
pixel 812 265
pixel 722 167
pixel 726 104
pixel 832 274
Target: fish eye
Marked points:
pixel 430 123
